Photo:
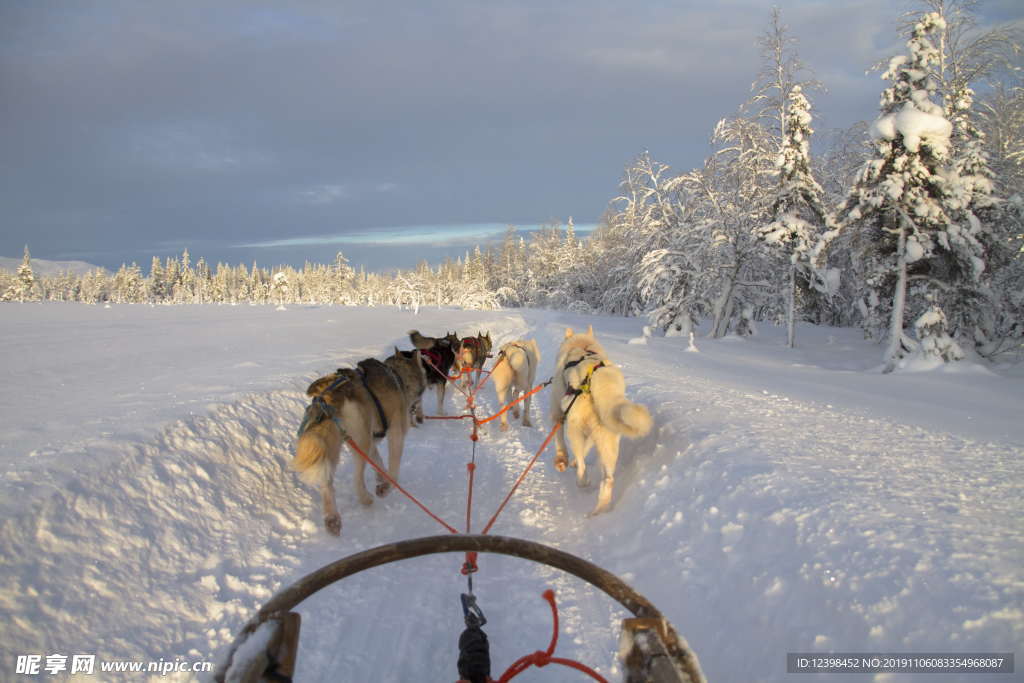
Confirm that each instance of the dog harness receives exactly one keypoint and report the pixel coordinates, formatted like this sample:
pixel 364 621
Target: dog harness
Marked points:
pixel 432 357
pixel 522 348
pixel 326 410
pixel 376 401
pixel 584 387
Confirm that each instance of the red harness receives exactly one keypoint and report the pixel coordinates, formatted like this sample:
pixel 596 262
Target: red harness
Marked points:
pixel 432 356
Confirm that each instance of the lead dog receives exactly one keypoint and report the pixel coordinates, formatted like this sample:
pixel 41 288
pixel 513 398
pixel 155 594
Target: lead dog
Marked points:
pixel 367 403
pixel 589 391
pixel 438 357
pixel 516 369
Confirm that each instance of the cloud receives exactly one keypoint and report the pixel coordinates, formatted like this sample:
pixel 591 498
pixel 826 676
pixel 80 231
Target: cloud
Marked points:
pixel 331 193
pixel 432 235
pixel 324 194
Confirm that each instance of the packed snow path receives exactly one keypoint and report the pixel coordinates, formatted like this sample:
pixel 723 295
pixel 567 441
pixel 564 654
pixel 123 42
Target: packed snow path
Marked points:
pixel 786 500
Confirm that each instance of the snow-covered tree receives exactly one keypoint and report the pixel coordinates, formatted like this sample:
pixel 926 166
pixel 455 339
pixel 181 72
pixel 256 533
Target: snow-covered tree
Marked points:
pixel 733 203
pixel 644 218
pixel 781 69
pixel 797 207
pixel 127 286
pixel 24 288
pixel 1001 120
pixel 908 203
pixel 280 288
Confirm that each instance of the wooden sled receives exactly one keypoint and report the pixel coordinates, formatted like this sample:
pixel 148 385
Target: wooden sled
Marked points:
pixel 651 649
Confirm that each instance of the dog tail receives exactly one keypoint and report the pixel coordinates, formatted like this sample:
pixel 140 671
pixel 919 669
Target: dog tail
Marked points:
pixel 319 445
pixel 613 409
pixel 419 341
pixel 630 419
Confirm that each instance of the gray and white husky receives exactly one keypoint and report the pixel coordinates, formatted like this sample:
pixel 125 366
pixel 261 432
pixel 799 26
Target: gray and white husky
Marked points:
pixel 368 403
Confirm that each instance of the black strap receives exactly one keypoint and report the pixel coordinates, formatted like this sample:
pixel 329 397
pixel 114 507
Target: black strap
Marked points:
pixel 376 402
pixel 574 363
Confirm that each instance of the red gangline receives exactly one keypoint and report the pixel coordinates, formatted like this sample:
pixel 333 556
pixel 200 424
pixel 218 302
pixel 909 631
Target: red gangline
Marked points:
pixel 507 407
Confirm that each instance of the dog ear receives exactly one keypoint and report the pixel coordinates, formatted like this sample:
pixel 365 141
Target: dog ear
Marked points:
pixel 590 330
pixel 398 354
pixel 568 332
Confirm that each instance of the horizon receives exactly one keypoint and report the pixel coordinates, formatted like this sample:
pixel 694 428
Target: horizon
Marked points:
pixel 391 249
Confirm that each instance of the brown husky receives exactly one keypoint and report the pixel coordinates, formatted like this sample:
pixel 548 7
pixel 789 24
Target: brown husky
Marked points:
pixel 472 353
pixel 515 369
pixel 366 404
pixel 592 390
pixel 438 357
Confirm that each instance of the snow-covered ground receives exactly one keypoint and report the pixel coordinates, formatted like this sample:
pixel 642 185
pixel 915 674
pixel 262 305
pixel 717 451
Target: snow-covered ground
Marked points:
pixel 787 500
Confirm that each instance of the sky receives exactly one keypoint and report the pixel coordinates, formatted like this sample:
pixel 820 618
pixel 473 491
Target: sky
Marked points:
pixel 274 132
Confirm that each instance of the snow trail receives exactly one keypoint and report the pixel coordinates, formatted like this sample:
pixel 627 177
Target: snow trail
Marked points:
pixel 762 514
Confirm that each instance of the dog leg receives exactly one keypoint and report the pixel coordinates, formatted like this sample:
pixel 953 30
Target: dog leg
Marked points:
pixel 332 520
pixel 396 441
pixel 383 486
pixel 526 411
pixel 608 454
pixel 580 446
pixel 502 391
pixel 358 477
pixel 440 396
pixel 561 459
pixel 417 410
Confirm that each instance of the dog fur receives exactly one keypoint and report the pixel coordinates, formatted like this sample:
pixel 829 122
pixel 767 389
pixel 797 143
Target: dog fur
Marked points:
pixel 598 417
pixel 472 353
pixel 442 348
pixel 398 384
pixel 516 369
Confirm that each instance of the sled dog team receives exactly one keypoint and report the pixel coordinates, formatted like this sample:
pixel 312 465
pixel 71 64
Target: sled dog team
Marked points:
pixel 380 399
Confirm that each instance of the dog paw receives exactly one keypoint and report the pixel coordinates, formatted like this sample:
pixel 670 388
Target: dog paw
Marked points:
pixel 333 524
pixel 583 483
pixel 383 488
pixel 366 499
pixel 515 413
pixel 527 423
pixel 504 426
pixel 561 462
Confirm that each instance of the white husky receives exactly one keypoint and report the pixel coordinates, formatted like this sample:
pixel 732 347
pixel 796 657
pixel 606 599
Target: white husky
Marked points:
pixel 516 369
pixel 592 390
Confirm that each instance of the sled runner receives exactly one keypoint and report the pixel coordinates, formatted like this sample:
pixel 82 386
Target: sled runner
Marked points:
pixel 266 647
